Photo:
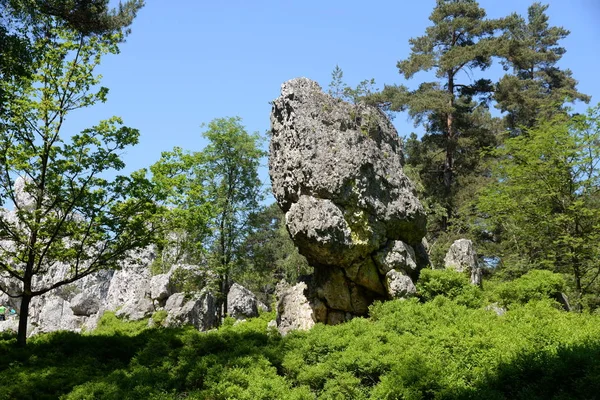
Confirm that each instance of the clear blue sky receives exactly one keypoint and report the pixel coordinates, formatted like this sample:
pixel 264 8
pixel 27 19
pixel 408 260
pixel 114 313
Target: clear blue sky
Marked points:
pixel 188 61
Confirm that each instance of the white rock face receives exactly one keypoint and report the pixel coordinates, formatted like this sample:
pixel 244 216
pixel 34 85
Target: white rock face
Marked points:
pixel 293 309
pixel 241 303
pixel 24 200
pixel 462 257
pixel 10 325
pixel 399 286
pixel 85 304
pixel 160 287
pixel 132 281
pixel 199 311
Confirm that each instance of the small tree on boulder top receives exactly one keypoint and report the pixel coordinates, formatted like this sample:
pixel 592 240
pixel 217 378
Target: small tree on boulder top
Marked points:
pixel 67 210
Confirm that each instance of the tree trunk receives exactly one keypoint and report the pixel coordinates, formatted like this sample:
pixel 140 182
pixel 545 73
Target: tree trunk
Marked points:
pixel 23 317
pixel 449 160
pixel 225 290
pixel 578 290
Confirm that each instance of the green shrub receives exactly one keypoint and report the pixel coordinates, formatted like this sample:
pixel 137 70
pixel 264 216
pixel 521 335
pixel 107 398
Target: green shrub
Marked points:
pixel 534 285
pixel 406 350
pixel 448 283
pixel 159 317
pixel 109 324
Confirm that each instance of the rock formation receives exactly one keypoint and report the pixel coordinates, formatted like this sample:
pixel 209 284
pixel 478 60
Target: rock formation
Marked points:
pixel 242 303
pixel 336 172
pixel 131 292
pixel 462 257
pixel 293 308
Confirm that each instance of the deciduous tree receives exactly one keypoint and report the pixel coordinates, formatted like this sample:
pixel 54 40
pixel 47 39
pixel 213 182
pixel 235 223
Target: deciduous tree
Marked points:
pixel 546 199
pixel 78 215
pixel 212 194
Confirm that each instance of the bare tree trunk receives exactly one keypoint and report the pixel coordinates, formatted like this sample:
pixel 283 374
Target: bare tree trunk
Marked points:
pixel 23 317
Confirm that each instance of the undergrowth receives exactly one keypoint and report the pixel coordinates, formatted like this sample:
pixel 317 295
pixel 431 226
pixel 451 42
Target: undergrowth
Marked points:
pixel 444 348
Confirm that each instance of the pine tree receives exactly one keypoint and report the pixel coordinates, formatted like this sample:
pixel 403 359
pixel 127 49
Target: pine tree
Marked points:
pixel 453 108
pixel 537 87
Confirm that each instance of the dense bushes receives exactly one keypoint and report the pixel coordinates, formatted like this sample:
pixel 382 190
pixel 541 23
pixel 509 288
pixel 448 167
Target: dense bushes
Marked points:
pixel 534 285
pixel 406 350
pixel 448 283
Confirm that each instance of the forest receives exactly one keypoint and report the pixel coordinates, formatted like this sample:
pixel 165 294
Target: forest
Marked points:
pixel 503 160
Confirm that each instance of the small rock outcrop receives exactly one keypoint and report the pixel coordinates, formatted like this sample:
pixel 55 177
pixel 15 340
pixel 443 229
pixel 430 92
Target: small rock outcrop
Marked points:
pixel 336 172
pixel 241 303
pixel 199 311
pixel 462 257
pixel 294 311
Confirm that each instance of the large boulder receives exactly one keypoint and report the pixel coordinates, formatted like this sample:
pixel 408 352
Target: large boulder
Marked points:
pixel 336 172
pixel 55 314
pixel 462 257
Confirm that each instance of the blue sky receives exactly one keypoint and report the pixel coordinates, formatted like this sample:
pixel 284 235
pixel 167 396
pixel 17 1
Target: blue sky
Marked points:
pixel 188 61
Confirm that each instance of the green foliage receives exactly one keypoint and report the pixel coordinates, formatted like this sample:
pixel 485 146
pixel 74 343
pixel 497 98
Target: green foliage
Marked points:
pixel 84 17
pixel 159 317
pixel 268 254
pixel 450 284
pixel 340 90
pixel 537 87
pixel 110 325
pixel 211 195
pixel 81 213
pixel 454 111
pixel 534 285
pixel 407 349
pixel 544 203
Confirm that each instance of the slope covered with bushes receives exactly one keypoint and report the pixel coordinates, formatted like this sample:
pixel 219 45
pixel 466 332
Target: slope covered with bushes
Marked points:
pixel 439 349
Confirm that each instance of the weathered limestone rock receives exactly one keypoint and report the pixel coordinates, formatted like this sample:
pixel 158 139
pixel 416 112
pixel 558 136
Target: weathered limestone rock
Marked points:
pixel 54 315
pixel 293 309
pixel 200 311
pixel 23 199
pixel 399 286
pixel 132 281
pixel 136 308
pixel 10 325
pixel 462 257
pixel 85 304
pixel 160 287
pixel 241 303
pixel 336 172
